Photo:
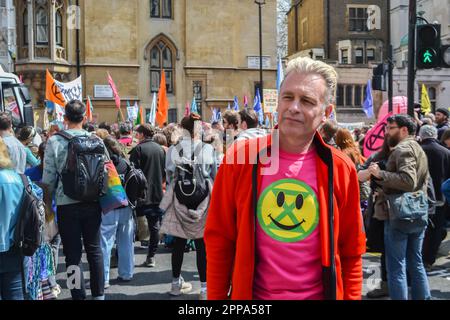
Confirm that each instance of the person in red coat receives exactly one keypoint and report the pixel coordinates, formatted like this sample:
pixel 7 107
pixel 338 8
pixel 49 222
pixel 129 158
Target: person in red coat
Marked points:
pixel 284 222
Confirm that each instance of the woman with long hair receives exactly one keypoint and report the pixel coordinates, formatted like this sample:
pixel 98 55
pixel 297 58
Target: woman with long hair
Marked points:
pixel 182 220
pixel 118 225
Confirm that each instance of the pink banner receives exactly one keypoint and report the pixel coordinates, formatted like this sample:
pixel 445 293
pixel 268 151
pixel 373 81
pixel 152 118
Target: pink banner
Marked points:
pixel 374 138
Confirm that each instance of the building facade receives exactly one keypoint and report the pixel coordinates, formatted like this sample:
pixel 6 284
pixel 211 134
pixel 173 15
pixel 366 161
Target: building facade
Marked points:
pixel 337 32
pixel 7 35
pixel 436 80
pixel 208 49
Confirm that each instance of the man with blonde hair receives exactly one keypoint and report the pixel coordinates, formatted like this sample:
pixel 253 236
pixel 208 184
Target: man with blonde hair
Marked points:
pixel 292 226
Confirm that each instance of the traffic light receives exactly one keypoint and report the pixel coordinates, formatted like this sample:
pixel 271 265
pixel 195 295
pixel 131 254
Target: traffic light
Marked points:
pixel 428 46
pixel 379 77
pixel 445 54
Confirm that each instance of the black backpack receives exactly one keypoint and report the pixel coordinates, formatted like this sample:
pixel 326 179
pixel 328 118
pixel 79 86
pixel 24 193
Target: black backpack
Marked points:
pixel 135 185
pixel 191 187
pixel 84 175
pixel 29 232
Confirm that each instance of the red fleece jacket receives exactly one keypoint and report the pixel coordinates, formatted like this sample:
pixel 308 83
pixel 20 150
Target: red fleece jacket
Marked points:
pixel 230 227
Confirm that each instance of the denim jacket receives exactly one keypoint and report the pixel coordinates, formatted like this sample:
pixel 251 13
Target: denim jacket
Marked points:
pixel 11 192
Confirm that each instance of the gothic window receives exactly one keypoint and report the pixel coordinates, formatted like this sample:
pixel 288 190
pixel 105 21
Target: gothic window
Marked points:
pixel 25 27
pixel 59 28
pixel 41 26
pixel 161 58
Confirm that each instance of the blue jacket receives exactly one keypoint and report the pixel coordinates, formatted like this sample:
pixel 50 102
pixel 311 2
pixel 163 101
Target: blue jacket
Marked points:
pixel 11 192
pixel 446 190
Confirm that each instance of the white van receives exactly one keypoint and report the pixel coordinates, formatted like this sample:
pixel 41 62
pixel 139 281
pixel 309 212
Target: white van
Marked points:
pixel 15 99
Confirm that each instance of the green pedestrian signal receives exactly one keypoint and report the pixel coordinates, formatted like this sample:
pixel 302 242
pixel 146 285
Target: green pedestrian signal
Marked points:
pixel 428 46
pixel 427 57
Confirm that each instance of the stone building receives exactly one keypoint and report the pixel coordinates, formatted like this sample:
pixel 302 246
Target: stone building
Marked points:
pixel 7 35
pixel 336 31
pixel 436 80
pixel 207 48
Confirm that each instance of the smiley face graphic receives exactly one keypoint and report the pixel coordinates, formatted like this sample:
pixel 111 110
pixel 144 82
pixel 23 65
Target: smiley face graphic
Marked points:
pixel 288 210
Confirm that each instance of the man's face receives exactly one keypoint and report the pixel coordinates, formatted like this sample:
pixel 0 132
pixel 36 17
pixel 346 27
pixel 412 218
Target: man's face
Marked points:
pixel 394 134
pixel 139 136
pixel 227 125
pixel 440 118
pixel 301 106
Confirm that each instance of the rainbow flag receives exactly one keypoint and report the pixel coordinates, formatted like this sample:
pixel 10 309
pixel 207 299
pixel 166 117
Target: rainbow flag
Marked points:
pixel 115 196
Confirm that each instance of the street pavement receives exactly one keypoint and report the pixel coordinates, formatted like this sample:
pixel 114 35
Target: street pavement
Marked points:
pixel 154 283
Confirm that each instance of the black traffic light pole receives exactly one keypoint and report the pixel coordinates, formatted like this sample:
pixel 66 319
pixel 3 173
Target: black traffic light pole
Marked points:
pixel 411 55
pixel 391 64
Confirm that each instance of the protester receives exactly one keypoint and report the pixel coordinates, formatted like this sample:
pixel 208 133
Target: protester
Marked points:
pixel 328 132
pixel 161 139
pixel 11 191
pixel 248 125
pixel 126 136
pixel 284 252
pixel 439 168
pixel 25 136
pixel 442 121
pixel 118 225
pixel 16 149
pixel 150 158
pixel 347 145
pixel 406 173
pixel 76 219
pixel 445 139
pixel 231 126
pixel 375 215
pixel 185 213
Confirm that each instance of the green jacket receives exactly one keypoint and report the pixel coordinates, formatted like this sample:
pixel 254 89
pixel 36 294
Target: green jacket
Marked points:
pixel 406 169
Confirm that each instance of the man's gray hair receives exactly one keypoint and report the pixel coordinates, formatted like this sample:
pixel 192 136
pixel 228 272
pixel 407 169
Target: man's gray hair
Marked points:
pixel 309 66
pixel 428 132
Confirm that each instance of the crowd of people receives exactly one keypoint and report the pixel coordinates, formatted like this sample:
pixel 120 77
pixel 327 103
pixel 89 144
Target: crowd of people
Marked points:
pixel 234 192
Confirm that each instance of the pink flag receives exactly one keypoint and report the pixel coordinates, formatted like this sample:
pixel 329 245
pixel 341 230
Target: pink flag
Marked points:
pixel 374 139
pixel 114 89
pixel 187 110
pixel 245 101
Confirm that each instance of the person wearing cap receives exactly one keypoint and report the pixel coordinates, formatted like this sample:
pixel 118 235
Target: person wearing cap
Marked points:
pixel 442 123
pixel 439 167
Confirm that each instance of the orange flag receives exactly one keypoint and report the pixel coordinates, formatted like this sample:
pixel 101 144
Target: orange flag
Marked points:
pixel 89 109
pixel 163 102
pixel 52 91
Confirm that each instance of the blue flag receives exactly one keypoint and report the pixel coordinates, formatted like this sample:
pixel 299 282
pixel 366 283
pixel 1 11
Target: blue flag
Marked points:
pixel 267 122
pixel 229 106
pixel 194 108
pixel 236 104
pixel 368 103
pixel 280 74
pixel 258 107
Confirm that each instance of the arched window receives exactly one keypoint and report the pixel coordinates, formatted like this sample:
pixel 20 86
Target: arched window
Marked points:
pixel 59 28
pixel 161 9
pixel 161 58
pixel 41 26
pixel 25 27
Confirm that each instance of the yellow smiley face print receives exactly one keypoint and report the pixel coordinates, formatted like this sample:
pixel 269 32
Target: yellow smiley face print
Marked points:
pixel 288 210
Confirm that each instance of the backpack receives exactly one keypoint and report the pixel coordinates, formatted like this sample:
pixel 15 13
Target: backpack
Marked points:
pixel 29 231
pixel 84 174
pixel 135 185
pixel 191 187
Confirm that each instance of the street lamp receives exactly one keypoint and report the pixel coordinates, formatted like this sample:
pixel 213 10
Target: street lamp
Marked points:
pixel 260 3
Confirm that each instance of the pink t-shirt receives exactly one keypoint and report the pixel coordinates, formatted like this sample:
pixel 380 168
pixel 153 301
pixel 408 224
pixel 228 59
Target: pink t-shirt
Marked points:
pixel 288 254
